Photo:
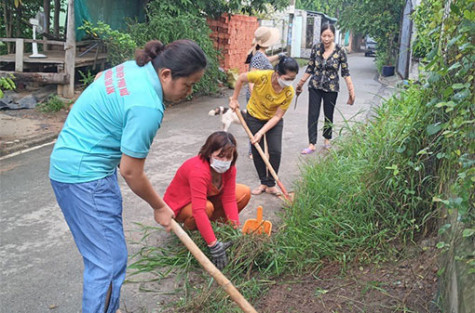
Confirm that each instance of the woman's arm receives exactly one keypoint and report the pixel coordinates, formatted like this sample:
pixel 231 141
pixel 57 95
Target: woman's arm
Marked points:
pixel 301 82
pixel 269 125
pixel 228 196
pixel 351 90
pixel 132 169
pixel 345 73
pixel 233 103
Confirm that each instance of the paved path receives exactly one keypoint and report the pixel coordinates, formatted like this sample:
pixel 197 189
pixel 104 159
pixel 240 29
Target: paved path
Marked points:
pixel 40 265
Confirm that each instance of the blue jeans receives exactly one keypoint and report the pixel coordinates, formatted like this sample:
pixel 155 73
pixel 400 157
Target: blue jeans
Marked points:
pixel 93 211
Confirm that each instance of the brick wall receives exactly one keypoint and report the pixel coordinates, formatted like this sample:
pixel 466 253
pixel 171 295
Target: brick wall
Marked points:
pixel 232 35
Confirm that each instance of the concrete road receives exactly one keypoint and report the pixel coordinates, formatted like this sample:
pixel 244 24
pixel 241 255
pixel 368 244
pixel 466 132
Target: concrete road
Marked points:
pixel 40 265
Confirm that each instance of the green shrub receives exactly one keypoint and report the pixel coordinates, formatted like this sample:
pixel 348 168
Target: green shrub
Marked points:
pixel 6 83
pixel 53 104
pixel 167 28
pixel 120 46
pixel 86 78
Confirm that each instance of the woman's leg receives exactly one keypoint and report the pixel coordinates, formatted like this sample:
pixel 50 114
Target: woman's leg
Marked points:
pixel 243 195
pixel 255 125
pixel 186 215
pixel 329 102
pixel 93 211
pixel 274 144
pixel 314 104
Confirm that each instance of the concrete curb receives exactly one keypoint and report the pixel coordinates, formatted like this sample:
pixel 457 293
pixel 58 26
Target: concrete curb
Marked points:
pixel 25 143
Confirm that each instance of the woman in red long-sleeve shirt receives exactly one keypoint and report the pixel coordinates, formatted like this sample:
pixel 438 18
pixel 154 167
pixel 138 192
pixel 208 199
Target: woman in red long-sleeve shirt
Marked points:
pixel 204 189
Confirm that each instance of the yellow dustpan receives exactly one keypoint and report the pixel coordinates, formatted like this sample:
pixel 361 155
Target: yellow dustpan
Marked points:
pixel 257 226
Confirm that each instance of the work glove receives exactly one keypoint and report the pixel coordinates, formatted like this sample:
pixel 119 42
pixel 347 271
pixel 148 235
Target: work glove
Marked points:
pixel 218 254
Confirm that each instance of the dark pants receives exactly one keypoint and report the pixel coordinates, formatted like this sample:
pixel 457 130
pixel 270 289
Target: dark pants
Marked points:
pixel 314 104
pixel 274 144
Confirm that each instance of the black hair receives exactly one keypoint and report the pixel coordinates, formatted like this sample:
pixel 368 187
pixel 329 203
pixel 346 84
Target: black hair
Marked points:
pixel 250 55
pixel 183 57
pixel 285 65
pixel 326 26
pixel 219 140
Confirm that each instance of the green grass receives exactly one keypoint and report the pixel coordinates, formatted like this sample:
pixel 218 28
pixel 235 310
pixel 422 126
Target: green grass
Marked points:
pixel 53 104
pixel 248 257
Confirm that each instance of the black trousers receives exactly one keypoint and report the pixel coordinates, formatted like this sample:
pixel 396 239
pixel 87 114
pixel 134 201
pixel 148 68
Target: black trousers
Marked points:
pixel 274 145
pixel 315 101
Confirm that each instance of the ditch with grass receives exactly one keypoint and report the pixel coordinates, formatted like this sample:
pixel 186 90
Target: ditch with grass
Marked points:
pixel 362 233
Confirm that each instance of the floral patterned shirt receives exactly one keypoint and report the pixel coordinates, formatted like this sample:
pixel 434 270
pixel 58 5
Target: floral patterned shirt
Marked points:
pixel 325 72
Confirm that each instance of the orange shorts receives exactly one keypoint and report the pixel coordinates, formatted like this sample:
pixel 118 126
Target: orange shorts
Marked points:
pixel 214 208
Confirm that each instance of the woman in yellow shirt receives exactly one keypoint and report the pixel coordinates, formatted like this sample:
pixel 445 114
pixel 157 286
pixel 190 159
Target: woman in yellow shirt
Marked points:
pixel 270 99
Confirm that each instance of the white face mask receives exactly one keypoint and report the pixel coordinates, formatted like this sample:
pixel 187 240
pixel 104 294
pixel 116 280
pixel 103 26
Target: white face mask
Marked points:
pixel 284 83
pixel 220 166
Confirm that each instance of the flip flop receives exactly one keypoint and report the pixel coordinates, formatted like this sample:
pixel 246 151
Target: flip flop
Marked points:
pixel 307 151
pixel 275 192
pixel 258 190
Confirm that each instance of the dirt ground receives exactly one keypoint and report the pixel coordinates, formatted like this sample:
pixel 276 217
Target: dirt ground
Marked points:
pixel 405 285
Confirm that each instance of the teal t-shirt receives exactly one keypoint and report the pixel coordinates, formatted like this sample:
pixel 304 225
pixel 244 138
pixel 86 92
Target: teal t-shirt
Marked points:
pixel 119 113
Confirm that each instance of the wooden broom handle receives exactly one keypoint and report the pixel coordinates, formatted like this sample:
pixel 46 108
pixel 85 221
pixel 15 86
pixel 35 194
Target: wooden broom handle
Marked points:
pixel 211 269
pixel 263 156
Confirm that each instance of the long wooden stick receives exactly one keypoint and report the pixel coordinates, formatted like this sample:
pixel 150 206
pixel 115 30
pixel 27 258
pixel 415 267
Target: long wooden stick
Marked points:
pixel 212 270
pixel 263 156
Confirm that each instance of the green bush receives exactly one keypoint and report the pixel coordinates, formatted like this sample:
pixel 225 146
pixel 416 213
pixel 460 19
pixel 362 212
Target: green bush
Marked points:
pixel 6 83
pixel 86 78
pixel 167 28
pixel 53 104
pixel 120 46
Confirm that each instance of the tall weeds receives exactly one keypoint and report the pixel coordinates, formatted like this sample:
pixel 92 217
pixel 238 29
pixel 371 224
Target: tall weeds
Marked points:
pixel 381 187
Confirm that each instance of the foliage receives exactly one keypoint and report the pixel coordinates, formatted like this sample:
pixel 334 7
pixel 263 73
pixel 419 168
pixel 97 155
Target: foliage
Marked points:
pixel 6 83
pixel 246 255
pixel 329 7
pixel 214 8
pixel 14 20
pixel 168 28
pixel 86 78
pixel 53 104
pixel 425 18
pixel 387 180
pixel 379 19
pixel 120 46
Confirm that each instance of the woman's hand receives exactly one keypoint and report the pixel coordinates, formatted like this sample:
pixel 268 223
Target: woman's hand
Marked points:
pixel 351 97
pixel 257 137
pixel 233 104
pixel 299 88
pixel 163 216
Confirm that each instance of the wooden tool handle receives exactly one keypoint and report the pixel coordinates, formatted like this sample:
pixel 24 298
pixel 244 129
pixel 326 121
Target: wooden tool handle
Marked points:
pixel 263 155
pixel 212 270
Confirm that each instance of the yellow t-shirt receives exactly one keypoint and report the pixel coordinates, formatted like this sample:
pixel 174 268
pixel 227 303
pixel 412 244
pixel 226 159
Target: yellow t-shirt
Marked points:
pixel 264 101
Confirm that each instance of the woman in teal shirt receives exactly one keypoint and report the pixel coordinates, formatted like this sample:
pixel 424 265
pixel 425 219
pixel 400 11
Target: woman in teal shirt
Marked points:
pixel 113 123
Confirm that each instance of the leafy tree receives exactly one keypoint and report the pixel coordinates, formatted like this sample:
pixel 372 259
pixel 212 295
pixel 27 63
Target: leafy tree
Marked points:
pixel 379 19
pixel 214 8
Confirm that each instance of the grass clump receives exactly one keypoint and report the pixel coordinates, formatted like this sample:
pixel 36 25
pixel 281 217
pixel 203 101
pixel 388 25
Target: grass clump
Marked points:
pixel 51 105
pixel 247 255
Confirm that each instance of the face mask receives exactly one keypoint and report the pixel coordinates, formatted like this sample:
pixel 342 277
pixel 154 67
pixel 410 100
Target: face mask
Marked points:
pixel 284 83
pixel 220 166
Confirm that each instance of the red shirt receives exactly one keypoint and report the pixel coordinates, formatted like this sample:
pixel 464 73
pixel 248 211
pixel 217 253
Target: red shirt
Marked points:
pixel 193 184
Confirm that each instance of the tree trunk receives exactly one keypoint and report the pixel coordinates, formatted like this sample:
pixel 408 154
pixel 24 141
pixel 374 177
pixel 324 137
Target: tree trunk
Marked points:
pixel 47 10
pixel 18 21
pixel 8 25
pixel 57 8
